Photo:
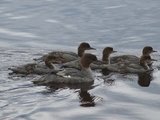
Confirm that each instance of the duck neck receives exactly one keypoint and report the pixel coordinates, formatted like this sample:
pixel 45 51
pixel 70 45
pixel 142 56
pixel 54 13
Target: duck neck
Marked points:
pixel 145 53
pixel 106 58
pixel 87 72
pixel 85 65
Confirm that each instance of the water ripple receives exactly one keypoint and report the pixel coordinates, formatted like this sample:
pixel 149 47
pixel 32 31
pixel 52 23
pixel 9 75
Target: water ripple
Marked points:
pixel 19 34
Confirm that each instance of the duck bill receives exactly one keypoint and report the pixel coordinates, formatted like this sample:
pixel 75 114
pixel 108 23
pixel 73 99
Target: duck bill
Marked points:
pixel 154 51
pixel 153 60
pixel 114 51
pixel 91 48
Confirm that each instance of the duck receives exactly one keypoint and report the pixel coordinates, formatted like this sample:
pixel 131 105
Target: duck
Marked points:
pixel 120 64
pixel 33 68
pixel 141 67
pixel 71 75
pixel 64 56
pixel 147 50
pixel 99 64
pixel 127 63
pixel 51 62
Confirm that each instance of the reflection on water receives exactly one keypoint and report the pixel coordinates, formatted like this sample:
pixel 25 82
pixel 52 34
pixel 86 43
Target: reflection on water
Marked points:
pixel 85 87
pixel 105 71
pixel 86 99
pixel 144 79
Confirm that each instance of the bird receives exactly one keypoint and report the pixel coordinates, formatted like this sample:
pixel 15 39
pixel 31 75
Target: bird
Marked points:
pixel 48 61
pixel 71 75
pixel 65 56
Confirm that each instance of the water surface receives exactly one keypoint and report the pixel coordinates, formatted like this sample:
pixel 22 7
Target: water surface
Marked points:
pixel 30 28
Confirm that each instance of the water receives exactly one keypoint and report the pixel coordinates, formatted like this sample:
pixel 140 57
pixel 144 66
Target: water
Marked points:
pixel 31 28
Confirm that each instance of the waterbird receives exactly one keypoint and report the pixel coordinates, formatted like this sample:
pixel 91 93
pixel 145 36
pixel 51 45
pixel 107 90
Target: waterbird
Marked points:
pixel 71 75
pixel 48 61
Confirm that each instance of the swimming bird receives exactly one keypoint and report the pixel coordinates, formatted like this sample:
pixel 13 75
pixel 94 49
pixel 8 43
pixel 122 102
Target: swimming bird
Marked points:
pixel 33 68
pixel 127 63
pixel 118 63
pixel 48 61
pixel 71 75
pixel 63 56
pixel 104 63
pixel 121 64
pixel 147 50
pixel 141 67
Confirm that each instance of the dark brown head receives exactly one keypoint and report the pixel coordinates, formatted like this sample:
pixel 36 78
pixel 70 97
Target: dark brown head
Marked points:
pixel 106 53
pixel 147 50
pixel 82 47
pixel 87 59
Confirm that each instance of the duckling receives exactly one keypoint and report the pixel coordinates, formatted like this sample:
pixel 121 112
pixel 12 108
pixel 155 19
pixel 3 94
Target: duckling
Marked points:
pixel 116 63
pixel 147 50
pixel 141 67
pixel 71 75
pixel 63 56
pixel 49 60
pixel 105 63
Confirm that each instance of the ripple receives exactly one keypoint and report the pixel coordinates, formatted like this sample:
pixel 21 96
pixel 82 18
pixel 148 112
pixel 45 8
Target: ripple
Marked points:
pixel 19 34
pixel 52 21
pixel 67 26
pixel 115 7
pixel 19 17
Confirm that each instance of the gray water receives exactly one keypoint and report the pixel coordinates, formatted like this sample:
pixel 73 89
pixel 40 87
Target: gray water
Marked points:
pixel 30 28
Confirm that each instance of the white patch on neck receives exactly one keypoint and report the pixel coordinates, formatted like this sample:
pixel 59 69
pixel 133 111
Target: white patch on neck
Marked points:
pixel 56 67
pixel 147 66
pixel 88 73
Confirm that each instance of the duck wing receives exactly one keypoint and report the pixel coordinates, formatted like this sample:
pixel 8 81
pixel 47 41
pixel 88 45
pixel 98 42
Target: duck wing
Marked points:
pixel 60 56
pixel 124 58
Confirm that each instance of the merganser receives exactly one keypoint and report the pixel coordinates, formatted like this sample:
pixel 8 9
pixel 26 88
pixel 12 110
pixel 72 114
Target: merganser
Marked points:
pixel 141 67
pixel 147 50
pixel 71 75
pixel 50 59
pixel 121 64
pixel 118 62
pixel 105 63
pixel 33 68
pixel 63 56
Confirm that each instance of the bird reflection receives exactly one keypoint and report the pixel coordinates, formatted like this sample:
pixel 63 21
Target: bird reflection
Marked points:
pixel 86 99
pixel 144 79
pixel 105 71
pixel 54 87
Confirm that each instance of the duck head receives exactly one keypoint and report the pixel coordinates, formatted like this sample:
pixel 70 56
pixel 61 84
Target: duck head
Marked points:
pixel 106 54
pixel 82 47
pixel 87 59
pixel 147 50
